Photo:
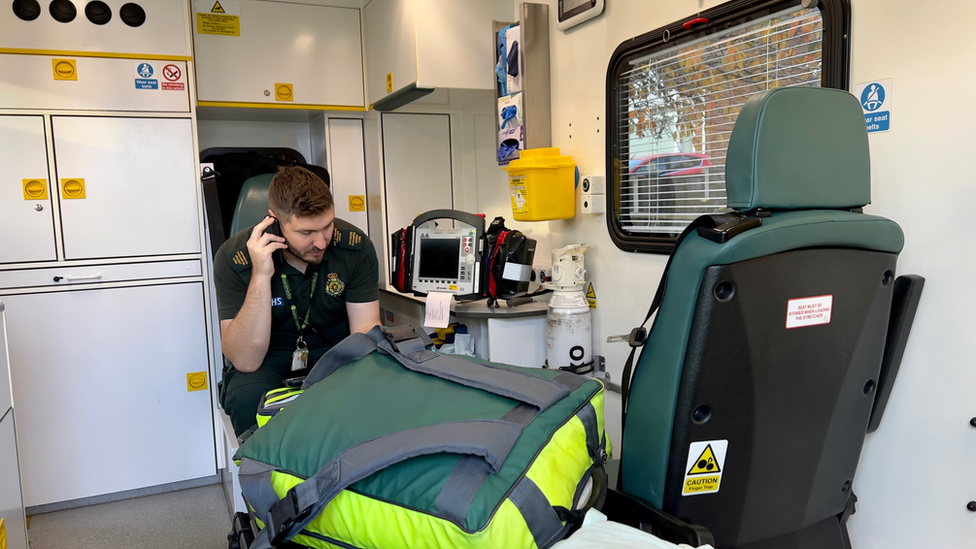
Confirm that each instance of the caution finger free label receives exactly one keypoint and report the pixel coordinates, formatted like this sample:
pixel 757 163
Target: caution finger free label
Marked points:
pixel 706 464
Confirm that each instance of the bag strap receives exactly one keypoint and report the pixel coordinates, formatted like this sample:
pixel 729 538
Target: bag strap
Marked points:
pixel 412 354
pixel 512 384
pixel 491 440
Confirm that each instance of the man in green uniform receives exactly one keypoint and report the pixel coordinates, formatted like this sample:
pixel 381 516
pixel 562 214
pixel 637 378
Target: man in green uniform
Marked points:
pixel 285 300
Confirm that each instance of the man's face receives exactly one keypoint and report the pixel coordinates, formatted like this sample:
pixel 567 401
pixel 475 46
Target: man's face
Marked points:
pixel 308 237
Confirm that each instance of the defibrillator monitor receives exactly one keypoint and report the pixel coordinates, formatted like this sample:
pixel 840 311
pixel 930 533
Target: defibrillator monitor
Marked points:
pixel 447 252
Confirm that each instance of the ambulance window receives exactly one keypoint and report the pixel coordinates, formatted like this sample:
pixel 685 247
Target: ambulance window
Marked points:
pixel 673 95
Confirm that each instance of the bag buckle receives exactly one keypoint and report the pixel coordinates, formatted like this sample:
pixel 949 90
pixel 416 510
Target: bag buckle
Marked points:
pixel 282 517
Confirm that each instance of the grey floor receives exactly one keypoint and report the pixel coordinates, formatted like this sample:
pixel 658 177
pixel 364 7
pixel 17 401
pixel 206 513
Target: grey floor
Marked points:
pixel 196 518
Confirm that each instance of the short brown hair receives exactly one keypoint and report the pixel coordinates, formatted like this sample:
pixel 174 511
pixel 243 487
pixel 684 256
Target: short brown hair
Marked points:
pixel 298 192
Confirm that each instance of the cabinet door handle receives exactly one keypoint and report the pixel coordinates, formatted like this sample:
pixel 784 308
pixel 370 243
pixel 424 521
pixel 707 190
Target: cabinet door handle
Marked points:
pixel 78 278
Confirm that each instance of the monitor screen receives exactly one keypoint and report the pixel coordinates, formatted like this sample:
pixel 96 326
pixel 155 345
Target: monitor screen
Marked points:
pixel 439 257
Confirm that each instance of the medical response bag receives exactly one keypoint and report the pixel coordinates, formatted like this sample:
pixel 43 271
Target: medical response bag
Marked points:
pixel 392 445
pixel 507 261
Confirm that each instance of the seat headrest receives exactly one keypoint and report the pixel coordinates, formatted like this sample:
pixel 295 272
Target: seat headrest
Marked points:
pixel 799 148
pixel 252 203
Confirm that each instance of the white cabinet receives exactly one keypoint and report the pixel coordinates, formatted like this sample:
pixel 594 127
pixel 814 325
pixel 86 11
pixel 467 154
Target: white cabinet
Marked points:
pixel 101 387
pixel 127 188
pixel 347 168
pixel 139 186
pixel 25 189
pixel 162 31
pixel 314 50
pixel 416 165
pixel 97 84
pixel 430 43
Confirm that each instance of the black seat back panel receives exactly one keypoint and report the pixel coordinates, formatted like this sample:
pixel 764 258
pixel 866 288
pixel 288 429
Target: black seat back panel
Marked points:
pixel 793 403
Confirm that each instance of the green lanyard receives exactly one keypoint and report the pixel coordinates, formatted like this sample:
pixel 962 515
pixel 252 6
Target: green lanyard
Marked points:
pixel 294 310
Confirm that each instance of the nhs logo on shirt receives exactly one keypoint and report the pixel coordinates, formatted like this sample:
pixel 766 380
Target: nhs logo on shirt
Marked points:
pixel 277 301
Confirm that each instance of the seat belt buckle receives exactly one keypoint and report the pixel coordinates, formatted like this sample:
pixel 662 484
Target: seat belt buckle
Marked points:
pixel 635 338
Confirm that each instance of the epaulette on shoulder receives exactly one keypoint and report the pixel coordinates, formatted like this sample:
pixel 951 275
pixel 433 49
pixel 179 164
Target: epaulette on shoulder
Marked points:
pixel 347 236
pixel 239 259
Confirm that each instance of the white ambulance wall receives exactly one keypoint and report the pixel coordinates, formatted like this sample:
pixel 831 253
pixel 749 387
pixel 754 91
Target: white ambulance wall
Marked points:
pixel 249 133
pixel 920 178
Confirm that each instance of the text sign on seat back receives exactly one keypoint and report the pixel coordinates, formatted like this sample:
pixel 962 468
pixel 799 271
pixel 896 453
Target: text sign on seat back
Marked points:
pixel 809 311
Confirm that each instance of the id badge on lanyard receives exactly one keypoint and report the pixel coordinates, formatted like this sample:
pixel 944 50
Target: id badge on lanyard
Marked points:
pixel 299 358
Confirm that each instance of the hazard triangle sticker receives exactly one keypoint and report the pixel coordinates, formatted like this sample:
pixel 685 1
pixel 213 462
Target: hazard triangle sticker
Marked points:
pixel 705 466
pixel 217 8
pixel 705 463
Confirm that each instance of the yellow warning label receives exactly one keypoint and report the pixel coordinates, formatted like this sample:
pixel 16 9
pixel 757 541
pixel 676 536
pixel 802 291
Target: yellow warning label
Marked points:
pixel 705 463
pixel 73 188
pixel 284 92
pixel 3 535
pixel 520 196
pixel 65 69
pixel 704 468
pixel 220 25
pixel 196 381
pixel 217 8
pixel 452 287
pixel 590 295
pixel 389 82
pixel 35 189
pixel 357 203
pixel 699 485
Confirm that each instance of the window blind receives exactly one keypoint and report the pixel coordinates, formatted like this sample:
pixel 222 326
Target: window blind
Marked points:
pixel 677 107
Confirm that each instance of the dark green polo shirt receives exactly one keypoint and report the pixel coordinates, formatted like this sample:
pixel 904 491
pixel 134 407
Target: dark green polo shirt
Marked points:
pixel 348 273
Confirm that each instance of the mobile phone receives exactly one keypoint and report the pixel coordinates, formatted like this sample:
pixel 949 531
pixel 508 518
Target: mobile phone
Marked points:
pixel 275 229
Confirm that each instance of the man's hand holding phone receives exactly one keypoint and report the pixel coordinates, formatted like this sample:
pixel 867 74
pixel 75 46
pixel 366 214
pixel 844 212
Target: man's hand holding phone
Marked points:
pixel 264 243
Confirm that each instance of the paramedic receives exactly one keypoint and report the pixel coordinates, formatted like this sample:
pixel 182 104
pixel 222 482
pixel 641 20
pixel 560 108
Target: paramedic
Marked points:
pixel 282 310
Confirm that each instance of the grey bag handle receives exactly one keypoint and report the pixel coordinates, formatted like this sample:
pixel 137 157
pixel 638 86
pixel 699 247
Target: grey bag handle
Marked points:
pixel 492 440
pixel 410 353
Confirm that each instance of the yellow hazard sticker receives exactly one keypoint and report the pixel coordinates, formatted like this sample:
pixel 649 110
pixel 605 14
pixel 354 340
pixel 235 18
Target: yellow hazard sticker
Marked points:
pixel 35 189
pixel 357 203
pixel 223 19
pixel 520 196
pixel 705 466
pixel 3 535
pixel 196 381
pixel 220 25
pixel 65 69
pixel 590 295
pixel 389 82
pixel 284 92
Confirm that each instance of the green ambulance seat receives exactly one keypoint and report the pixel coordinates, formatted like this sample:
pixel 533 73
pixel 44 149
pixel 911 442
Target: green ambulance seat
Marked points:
pixel 773 352
pixel 252 203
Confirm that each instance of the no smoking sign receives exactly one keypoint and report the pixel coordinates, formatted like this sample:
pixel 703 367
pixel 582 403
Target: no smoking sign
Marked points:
pixel 172 78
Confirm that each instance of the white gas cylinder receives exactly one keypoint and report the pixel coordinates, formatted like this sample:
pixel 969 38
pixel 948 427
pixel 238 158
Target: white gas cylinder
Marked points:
pixel 569 338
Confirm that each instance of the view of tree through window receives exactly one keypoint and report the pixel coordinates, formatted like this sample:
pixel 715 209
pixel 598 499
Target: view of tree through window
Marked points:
pixel 676 109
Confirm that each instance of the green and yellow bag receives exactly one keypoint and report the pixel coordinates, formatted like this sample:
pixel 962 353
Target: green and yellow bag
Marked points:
pixel 394 446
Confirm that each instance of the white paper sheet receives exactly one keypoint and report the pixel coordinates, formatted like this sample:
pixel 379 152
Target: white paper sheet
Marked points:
pixel 437 313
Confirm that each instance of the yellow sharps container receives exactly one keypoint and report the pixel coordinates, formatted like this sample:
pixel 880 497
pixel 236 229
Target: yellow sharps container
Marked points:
pixel 542 185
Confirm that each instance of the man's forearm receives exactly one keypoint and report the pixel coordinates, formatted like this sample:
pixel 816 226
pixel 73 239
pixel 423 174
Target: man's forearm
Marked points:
pixel 245 341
